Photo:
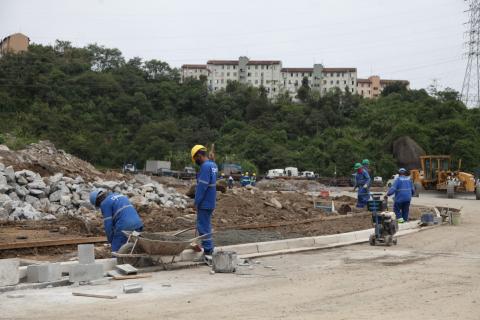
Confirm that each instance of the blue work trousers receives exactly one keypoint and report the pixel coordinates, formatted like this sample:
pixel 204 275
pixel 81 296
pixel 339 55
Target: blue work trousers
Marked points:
pixel 119 239
pixel 362 197
pixel 402 209
pixel 204 226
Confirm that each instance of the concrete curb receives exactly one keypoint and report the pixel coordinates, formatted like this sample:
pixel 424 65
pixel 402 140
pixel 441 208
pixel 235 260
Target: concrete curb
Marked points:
pixel 251 250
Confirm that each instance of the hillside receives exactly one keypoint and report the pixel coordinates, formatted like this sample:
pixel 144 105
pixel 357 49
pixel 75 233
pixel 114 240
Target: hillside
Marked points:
pixel 95 104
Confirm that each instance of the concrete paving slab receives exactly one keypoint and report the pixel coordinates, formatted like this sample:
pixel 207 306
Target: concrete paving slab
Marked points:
pixel 85 272
pixel 46 272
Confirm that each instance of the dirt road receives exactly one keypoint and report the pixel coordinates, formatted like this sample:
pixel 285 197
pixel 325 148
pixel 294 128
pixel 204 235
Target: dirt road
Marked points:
pixel 434 274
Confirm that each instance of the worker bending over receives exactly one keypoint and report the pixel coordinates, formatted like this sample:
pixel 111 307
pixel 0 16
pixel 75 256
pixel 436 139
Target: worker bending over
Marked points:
pixel 118 215
pixel 362 182
pixel 404 190
pixel 205 195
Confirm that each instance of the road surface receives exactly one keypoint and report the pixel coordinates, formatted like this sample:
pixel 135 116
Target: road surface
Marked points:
pixel 433 274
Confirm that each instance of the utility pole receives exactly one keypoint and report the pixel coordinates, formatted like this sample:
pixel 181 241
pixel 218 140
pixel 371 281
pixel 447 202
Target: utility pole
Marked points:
pixel 471 81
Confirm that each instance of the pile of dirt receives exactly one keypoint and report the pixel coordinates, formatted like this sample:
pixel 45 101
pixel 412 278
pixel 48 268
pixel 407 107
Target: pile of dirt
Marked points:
pixel 290 184
pixel 45 159
pixel 242 206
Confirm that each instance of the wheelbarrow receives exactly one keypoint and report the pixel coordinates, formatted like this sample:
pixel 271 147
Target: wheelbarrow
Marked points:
pixel 146 248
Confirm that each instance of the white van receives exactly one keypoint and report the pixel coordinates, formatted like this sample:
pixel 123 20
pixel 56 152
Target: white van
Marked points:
pixel 291 172
pixel 275 173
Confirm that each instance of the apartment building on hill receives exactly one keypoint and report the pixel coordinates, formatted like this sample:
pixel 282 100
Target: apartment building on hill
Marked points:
pixel 14 43
pixel 373 86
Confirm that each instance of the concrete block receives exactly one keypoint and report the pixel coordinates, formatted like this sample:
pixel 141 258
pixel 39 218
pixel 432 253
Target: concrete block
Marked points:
pixel 44 272
pixel 85 272
pixel 86 253
pixel 9 273
pixel 272 245
pixel 132 288
pixel 127 269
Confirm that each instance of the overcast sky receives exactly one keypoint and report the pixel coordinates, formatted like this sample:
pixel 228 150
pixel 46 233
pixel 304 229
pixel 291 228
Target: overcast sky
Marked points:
pixel 417 40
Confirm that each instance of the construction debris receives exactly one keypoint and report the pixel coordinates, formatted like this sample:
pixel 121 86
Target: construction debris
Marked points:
pixel 132 287
pixel 92 295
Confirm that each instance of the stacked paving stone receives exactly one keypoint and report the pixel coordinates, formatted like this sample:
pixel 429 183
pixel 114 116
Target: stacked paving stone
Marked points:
pixel 26 195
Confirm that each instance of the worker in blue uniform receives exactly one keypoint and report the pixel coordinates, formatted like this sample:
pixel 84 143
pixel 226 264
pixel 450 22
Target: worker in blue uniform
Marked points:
pixel 245 180
pixel 366 168
pixel 205 195
pixel 362 182
pixel 118 215
pixel 403 189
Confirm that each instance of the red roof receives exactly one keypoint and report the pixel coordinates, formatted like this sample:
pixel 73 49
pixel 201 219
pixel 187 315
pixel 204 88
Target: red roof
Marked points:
pixel 297 69
pixel 386 81
pixel 194 66
pixel 363 80
pixel 251 62
pixel 339 69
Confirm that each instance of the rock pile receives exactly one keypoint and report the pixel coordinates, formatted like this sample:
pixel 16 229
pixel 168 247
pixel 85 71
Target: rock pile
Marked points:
pixel 26 195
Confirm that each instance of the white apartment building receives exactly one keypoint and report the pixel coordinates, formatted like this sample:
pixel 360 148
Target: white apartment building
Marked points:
pixel 257 73
pixel 319 78
pixel 194 71
pixel 275 79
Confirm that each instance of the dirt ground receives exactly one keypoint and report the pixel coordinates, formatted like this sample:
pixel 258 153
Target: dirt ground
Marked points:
pixel 432 274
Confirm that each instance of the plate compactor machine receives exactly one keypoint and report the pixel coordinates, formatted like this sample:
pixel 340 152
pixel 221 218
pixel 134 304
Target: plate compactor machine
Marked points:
pixel 385 223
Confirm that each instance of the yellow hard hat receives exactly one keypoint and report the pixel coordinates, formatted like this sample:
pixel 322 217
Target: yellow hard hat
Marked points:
pixel 246 173
pixel 254 174
pixel 195 149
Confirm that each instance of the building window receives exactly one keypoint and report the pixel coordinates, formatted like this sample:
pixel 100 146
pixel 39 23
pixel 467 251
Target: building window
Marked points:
pixel 216 88
pixel 248 67
pixel 289 81
pixel 338 74
pixel 267 81
pixel 324 81
pixel 249 81
pixel 223 67
pixel 234 67
pixel 352 89
pixel 331 81
pixel 221 81
pixel 338 82
pixel 256 81
pixel 234 74
pixel 249 74
pixel 216 81
pixel 344 81
pixel 353 83
pixel 256 67
pixel 368 91
pixel 291 74
pixel 262 67
pixel 324 89
pixel 274 89
pixel 266 67
pixel 228 67
pixel 362 92
pixel 375 88
pixel 228 74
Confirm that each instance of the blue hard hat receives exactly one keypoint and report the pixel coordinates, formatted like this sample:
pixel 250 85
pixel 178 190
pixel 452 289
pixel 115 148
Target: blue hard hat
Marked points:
pixel 94 194
pixel 402 170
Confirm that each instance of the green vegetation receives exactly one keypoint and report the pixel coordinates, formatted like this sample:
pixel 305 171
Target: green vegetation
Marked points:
pixel 93 103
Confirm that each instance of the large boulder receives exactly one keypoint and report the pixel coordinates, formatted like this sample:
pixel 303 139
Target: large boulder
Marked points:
pixel 407 153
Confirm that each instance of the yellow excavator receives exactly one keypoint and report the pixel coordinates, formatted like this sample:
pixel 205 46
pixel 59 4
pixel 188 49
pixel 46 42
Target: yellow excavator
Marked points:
pixel 437 173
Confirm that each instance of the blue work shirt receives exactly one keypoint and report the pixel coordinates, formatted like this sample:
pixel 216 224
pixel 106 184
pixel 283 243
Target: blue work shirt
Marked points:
pixel 403 189
pixel 245 181
pixel 206 190
pixel 362 178
pixel 119 214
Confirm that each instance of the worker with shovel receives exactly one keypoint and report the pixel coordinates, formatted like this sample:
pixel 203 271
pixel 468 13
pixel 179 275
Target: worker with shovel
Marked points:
pixel 118 215
pixel 404 190
pixel 362 182
pixel 205 195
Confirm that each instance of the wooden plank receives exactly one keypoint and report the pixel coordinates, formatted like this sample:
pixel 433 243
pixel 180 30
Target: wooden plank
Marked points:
pixel 49 243
pixel 92 295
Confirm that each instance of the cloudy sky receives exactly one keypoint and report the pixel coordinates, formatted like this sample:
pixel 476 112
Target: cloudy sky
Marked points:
pixel 417 40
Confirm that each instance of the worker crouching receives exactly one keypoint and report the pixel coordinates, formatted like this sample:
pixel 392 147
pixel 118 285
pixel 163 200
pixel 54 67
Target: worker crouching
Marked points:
pixel 118 215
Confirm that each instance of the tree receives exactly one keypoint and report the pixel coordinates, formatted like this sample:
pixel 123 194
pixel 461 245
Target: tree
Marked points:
pixel 303 92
